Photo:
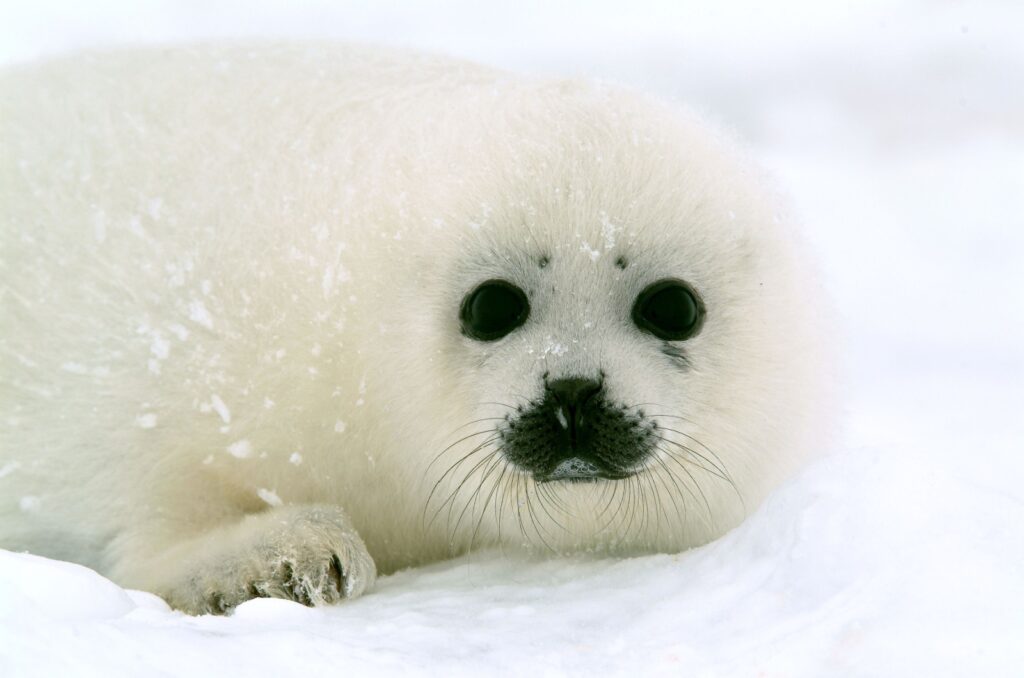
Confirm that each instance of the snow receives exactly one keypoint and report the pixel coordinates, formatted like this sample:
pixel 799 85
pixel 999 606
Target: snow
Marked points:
pixel 29 503
pixel 56 592
pixel 147 420
pixel 824 580
pixel 220 408
pixel 269 496
pixel 198 314
pixel 240 449
pixel 898 135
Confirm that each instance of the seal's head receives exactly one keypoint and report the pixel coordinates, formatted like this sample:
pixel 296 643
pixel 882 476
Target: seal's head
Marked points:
pixel 626 336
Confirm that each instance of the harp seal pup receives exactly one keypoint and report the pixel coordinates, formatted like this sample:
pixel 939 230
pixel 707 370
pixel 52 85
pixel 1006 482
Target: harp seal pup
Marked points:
pixel 277 318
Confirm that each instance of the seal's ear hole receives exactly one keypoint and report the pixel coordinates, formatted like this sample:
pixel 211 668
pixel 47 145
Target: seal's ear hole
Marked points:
pixel 669 309
pixel 493 309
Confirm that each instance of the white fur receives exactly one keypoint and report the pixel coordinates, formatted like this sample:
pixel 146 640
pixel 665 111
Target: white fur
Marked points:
pixel 229 293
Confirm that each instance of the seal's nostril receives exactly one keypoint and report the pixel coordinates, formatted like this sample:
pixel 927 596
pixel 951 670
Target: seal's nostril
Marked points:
pixel 571 397
pixel 574 392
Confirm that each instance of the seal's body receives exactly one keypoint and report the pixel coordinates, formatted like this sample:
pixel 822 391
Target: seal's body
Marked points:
pixel 273 314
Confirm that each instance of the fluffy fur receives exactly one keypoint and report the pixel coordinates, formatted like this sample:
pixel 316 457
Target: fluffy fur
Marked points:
pixel 231 362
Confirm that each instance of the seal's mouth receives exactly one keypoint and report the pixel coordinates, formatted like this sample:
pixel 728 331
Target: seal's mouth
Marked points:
pixel 576 470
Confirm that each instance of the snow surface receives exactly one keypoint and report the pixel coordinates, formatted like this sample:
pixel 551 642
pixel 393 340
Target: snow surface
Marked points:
pixel 898 132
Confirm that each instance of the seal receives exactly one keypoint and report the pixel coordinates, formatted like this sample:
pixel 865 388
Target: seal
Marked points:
pixel 279 317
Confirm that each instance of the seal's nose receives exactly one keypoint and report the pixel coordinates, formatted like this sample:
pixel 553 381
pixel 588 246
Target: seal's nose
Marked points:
pixel 570 397
pixel 575 433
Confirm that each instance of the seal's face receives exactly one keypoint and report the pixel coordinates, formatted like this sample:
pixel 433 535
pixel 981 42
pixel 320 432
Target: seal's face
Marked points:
pixel 623 351
pixel 594 384
pixel 575 430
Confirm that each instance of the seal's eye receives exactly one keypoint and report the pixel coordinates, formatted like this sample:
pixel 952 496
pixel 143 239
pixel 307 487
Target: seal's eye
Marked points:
pixel 493 309
pixel 669 309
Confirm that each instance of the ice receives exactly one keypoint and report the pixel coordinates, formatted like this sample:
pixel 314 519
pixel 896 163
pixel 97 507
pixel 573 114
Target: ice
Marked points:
pixel 220 408
pixel 594 254
pixel 609 231
pixel 825 579
pixel 160 348
pixel 269 496
pixel 54 591
pixel 147 420
pixel 264 611
pixel 100 227
pixel 241 449
pixel 74 368
pixel 179 331
pixel 198 314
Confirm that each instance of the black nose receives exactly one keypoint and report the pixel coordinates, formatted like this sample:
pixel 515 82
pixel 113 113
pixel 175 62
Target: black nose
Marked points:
pixel 570 399
pixel 575 433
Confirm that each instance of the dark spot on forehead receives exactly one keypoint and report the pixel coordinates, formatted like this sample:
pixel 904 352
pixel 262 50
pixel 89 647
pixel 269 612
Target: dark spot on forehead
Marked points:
pixel 544 261
pixel 621 263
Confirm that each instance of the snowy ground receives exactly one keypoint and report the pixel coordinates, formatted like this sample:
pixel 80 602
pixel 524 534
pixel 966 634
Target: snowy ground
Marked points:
pixel 898 130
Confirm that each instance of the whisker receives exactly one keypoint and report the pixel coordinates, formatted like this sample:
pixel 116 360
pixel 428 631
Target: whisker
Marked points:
pixel 659 507
pixel 519 507
pixel 720 466
pixel 552 495
pixel 639 505
pixel 473 497
pixel 615 488
pixel 463 439
pixel 537 528
pixel 627 504
pixel 541 492
pixel 713 470
pixel 723 474
pixel 452 468
pixel 504 500
pixel 450 501
pixel 487 501
pixel 675 483
pixel 696 485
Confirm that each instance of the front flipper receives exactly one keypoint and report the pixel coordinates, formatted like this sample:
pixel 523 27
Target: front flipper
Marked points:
pixel 309 554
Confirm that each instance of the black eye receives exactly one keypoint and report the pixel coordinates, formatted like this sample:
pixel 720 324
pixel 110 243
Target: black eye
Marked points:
pixel 669 309
pixel 493 309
